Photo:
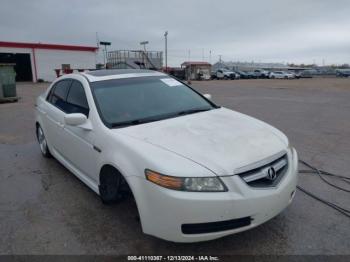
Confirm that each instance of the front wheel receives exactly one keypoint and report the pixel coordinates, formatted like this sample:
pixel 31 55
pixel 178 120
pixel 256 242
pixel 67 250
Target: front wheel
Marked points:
pixel 110 185
pixel 42 142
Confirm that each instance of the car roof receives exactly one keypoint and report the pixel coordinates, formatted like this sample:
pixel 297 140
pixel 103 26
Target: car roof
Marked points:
pixel 109 74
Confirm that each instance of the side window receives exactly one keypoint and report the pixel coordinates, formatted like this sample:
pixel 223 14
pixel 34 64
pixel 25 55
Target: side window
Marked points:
pixel 59 93
pixel 76 99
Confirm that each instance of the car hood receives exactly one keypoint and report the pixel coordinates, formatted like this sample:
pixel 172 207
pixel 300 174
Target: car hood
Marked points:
pixel 221 140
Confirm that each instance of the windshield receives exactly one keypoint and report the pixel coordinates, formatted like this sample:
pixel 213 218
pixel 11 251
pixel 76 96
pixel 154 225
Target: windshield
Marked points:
pixel 131 101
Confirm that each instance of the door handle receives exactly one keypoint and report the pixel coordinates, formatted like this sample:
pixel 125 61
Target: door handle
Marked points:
pixel 61 125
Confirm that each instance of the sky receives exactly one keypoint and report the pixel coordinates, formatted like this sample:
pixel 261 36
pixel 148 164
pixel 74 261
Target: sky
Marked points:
pixel 287 31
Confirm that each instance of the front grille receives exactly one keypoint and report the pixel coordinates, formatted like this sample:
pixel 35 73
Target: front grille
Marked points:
pixel 258 177
pixel 211 227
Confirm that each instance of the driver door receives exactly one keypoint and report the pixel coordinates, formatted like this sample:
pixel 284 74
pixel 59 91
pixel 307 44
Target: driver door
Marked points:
pixel 77 141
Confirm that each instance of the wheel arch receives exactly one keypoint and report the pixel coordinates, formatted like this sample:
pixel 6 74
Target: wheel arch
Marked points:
pixel 107 167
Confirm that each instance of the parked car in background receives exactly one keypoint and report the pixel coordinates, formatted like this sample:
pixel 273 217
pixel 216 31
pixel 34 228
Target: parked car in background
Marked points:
pixel 290 75
pixel 261 73
pixel 308 73
pixel 251 75
pixel 237 75
pixel 281 75
pixel 244 75
pixel 224 74
pixel 297 75
pixel 343 73
pixel 186 161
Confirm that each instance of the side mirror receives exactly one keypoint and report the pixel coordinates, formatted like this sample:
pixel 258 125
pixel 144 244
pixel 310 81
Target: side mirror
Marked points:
pixel 75 119
pixel 207 96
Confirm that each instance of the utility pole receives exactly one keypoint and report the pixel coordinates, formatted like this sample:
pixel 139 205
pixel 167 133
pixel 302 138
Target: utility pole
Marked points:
pixel 166 50
pixel 210 56
pixel 98 48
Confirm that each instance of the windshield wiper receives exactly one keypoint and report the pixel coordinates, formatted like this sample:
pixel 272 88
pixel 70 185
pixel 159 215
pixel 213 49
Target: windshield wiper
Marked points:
pixel 157 118
pixel 193 111
pixel 142 120
pixel 126 123
pixel 134 122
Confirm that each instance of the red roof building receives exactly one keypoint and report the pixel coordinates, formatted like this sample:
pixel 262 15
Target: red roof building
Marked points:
pixel 197 70
pixel 36 61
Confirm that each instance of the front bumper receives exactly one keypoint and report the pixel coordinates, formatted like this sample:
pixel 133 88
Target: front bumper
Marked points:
pixel 163 212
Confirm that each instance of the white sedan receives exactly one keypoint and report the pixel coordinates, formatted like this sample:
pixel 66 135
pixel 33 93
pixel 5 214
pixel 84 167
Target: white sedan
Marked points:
pixel 281 75
pixel 197 171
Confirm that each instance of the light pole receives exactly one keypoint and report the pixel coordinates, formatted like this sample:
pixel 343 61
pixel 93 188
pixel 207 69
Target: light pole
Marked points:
pixel 144 43
pixel 166 50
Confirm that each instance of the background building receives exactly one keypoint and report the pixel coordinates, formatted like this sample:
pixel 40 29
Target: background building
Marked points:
pixel 197 70
pixel 38 61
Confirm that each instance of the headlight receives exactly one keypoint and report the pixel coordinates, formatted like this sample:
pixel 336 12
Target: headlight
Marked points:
pixel 191 184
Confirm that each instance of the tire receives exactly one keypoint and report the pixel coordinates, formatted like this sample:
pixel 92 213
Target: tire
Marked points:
pixel 272 77
pixel 110 185
pixel 225 78
pixel 42 142
pixel 286 77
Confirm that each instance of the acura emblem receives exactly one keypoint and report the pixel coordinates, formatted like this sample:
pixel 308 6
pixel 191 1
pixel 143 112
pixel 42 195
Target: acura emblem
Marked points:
pixel 271 174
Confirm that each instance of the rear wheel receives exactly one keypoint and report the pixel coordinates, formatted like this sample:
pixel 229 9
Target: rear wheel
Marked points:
pixel 42 142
